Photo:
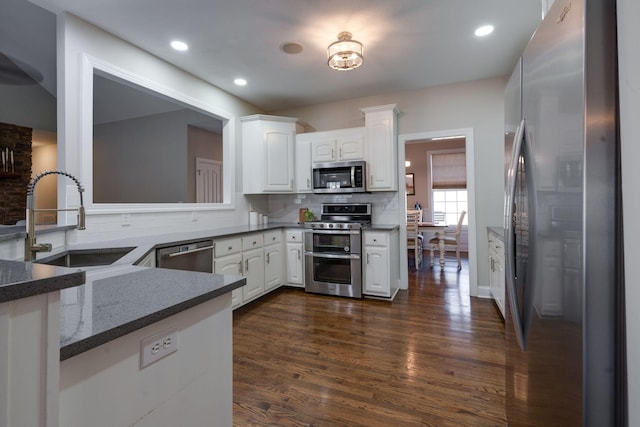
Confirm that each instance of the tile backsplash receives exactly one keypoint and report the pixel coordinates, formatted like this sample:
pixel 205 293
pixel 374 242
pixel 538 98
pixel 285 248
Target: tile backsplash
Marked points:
pixel 284 208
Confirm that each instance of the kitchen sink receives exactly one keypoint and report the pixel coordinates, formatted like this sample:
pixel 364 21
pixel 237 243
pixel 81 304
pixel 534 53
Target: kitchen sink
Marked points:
pixel 86 257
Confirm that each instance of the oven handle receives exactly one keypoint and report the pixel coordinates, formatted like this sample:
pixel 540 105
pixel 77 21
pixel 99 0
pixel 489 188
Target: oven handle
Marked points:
pixel 332 256
pixel 315 231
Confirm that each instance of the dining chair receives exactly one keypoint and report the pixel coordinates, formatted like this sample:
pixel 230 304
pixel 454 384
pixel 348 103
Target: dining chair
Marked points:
pixel 414 238
pixel 451 240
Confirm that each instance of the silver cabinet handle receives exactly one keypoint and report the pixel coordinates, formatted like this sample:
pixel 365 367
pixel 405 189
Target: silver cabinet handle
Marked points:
pixel 298 250
pixel 246 265
pixel 308 183
pixel 367 258
pixel 268 257
pixel 240 268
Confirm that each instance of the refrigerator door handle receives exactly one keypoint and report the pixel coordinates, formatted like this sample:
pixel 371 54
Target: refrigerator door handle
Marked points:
pixel 512 174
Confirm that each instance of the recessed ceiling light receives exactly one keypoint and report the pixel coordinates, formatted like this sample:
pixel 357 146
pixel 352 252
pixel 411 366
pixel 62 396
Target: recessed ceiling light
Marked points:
pixel 178 45
pixel 291 48
pixel 485 30
pixel 240 82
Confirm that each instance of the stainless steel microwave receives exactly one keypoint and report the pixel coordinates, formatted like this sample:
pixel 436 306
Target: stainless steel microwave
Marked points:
pixel 339 177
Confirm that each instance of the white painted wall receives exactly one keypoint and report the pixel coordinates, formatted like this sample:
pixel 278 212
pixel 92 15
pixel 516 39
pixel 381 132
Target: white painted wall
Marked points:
pixel 478 105
pixel 629 74
pixel 80 40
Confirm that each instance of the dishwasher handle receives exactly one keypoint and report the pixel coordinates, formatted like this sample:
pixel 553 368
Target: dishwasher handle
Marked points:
pixel 190 251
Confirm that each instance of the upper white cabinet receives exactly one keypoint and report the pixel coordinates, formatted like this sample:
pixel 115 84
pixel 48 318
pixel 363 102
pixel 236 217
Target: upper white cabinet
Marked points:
pixel 381 130
pixel 337 145
pixel 303 184
pixel 268 154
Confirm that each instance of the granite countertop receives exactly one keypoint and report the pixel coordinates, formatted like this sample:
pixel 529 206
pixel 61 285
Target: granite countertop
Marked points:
pixel 20 279
pixel 121 297
pixel 498 231
pixel 114 303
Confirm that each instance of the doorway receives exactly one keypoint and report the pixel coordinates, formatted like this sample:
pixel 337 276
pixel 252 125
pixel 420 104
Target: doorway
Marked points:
pixel 467 135
pixel 208 181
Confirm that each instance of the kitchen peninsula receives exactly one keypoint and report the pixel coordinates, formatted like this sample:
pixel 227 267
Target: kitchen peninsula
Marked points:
pixel 72 340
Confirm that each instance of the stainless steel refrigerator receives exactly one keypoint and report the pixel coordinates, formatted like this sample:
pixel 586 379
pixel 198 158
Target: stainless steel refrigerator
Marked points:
pixel 565 350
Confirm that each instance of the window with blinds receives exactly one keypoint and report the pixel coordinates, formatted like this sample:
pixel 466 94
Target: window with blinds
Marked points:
pixel 448 170
pixel 449 184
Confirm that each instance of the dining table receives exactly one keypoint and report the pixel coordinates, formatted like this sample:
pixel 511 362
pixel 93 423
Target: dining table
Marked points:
pixel 438 228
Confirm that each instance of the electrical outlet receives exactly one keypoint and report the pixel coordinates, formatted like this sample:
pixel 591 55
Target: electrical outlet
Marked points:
pixel 157 346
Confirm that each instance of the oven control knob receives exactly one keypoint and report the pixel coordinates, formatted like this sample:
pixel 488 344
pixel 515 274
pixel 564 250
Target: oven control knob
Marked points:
pixel 347 248
pixel 330 225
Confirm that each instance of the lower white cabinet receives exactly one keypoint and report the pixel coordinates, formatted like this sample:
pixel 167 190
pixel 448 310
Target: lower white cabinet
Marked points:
pixel 273 260
pixel 295 258
pixel 381 269
pixel 496 270
pixel 231 265
pixel 258 257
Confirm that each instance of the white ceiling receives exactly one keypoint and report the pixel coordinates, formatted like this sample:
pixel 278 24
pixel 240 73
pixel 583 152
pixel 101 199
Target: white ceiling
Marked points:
pixel 408 44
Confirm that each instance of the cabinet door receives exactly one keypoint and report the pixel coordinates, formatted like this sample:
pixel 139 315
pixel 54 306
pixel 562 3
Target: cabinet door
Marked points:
pixel 323 150
pixel 376 273
pixel 230 265
pixel 253 264
pixel 273 266
pixel 350 147
pixel 279 171
pixel 303 164
pixel 380 136
pixel 295 264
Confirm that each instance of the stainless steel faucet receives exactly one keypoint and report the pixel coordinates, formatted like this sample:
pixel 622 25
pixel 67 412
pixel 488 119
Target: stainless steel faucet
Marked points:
pixel 30 245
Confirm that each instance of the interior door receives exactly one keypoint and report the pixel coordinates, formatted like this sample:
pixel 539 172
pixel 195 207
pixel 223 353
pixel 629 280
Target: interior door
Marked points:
pixel 208 181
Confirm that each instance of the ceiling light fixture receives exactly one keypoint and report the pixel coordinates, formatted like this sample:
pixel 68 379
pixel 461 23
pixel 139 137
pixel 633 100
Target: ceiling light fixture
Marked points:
pixel 345 54
pixel 178 45
pixel 240 82
pixel 485 30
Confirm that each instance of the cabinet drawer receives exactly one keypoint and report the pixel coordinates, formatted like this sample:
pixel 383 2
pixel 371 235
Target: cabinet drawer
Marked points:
pixel 376 239
pixel 227 246
pixel 294 236
pixel 272 237
pixel 252 241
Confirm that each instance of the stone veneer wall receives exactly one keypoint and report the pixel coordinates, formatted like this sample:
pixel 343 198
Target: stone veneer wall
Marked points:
pixel 13 186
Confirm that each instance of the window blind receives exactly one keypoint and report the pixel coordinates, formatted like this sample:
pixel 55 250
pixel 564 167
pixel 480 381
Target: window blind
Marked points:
pixel 448 170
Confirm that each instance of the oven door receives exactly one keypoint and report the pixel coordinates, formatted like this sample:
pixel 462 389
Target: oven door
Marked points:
pixel 332 262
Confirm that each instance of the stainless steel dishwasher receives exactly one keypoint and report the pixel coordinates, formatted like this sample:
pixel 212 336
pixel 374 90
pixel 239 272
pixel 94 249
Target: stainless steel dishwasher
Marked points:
pixel 196 256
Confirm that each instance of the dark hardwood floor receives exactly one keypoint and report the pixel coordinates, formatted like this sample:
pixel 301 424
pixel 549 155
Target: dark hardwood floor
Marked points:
pixel 432 357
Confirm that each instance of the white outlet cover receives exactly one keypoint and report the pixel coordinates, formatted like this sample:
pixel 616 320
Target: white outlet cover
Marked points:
pixel 158 346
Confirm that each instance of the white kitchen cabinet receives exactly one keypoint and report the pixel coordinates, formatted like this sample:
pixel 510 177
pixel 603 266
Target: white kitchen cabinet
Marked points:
pixel 268 154
pixel 231 265
pixel 496 269
pixel 242 255
pixel 273 260
pixel 337 145
pixel 253 265
pixel 303 182
pixel 381 147
pixel 295 258
pixel 381 269
pixel 227 259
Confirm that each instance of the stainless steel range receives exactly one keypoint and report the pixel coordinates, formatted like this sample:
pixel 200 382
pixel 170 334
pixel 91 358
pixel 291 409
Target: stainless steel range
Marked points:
pixel 333 250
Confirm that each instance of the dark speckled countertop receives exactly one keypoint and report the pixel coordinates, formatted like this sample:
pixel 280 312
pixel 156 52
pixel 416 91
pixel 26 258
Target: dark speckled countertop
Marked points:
pixel 24 279
pixel 108 307
pixel 498 231
pixel 120 298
